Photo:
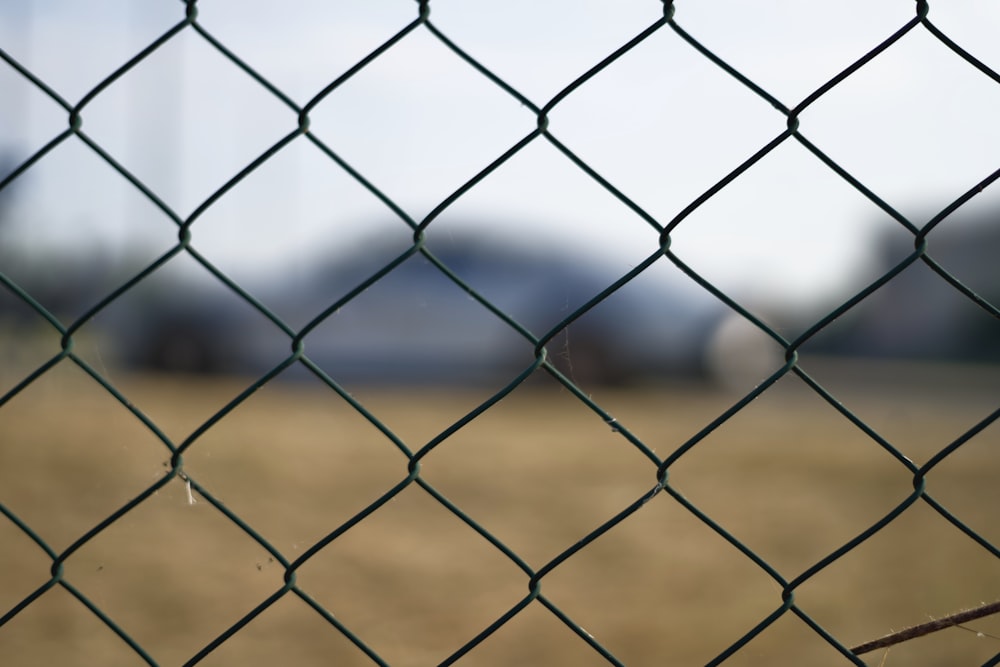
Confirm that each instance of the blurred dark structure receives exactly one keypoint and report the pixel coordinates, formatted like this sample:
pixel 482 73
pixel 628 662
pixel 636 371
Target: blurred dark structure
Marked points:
pixel 919 315
pixel 416 325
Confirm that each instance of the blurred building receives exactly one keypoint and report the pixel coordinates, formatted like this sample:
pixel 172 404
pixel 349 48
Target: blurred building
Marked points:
pixel 919 314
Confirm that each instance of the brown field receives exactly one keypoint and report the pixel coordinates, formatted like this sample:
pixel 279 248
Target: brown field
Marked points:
pixel 788 476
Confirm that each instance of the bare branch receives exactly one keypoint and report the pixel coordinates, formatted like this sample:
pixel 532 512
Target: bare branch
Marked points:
pixel 929 627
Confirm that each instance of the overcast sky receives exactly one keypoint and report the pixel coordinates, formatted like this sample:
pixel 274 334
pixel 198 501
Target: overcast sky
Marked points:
pixel 663 124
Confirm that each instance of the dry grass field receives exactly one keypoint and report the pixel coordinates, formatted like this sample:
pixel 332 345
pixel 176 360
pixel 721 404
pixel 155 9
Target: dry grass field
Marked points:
pixel 788 476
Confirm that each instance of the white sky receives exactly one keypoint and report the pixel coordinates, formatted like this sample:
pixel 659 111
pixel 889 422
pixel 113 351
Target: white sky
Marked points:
pixel 917 126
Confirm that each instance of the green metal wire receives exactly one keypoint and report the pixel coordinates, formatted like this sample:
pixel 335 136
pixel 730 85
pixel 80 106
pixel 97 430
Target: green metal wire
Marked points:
pixel 661 488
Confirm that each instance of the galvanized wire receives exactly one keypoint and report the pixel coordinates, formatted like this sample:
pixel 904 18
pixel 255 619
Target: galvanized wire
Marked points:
pixel 665 27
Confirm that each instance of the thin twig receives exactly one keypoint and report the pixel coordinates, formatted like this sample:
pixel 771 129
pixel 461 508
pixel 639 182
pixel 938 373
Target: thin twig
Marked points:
pixel 978 633
pixel 929 627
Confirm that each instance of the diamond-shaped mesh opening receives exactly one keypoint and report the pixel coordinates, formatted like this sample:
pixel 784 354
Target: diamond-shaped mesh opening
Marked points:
pixel 773 199
pixel 753 422
pixel 544 509
pixel 294 38
pixel 533 185
pixel 406 106
pixel 412 577
pixel 643 125
pixel 97 472
pixel 57 629
pixel 773 645
pixel 229 122
pixel 319 433
pixel 295 192
pixel 854 122
pixel 61 254
pixel 640 606
pixel 289 630
pixel 891 599
pixel 181 319
pixel 173 574
pixel 535 636
pixel 789 518
pixel 824 43
pixel 918 316
pixel 458 340
pixel 968 468
pixel 536 68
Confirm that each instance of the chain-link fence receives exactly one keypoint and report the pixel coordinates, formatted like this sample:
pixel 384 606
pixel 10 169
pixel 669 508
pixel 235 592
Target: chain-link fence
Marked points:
pixel 541 359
